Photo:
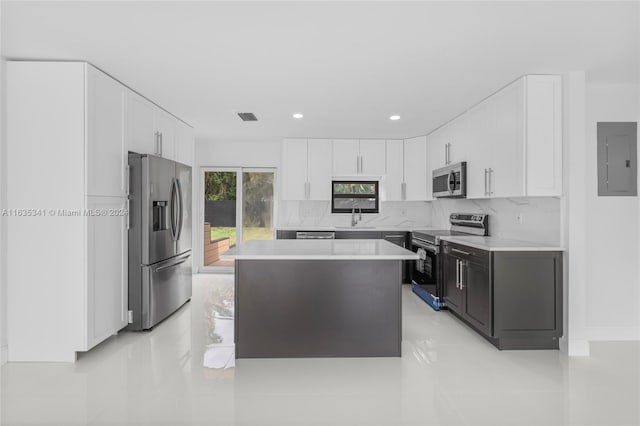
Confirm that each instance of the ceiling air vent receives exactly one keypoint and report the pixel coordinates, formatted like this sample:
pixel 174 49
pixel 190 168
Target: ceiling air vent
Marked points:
pixel 247 116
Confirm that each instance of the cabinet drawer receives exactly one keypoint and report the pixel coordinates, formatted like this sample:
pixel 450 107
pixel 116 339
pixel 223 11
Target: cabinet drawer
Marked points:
pixel 467 253
pixel 358 235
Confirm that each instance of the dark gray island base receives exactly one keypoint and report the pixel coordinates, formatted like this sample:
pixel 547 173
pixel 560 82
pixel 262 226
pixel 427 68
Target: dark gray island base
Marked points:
pixel 293 308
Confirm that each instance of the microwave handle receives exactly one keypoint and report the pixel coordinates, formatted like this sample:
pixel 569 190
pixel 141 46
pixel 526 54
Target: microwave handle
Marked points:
pixel 451 181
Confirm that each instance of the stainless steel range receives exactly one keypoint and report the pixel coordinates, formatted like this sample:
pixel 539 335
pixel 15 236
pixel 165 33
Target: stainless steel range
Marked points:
pixel 426 273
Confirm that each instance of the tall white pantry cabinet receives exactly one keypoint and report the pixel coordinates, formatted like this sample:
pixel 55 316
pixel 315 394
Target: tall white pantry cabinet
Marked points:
pixel 67 188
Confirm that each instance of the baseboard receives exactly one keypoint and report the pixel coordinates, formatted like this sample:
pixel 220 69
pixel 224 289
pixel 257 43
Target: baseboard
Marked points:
pixel 4 352
pixel 577 347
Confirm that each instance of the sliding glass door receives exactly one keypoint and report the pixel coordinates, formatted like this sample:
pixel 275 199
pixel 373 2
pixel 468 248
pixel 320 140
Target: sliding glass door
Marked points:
pixel 238 206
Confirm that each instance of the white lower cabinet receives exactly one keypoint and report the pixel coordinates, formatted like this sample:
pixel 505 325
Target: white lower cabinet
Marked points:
pixel 106 253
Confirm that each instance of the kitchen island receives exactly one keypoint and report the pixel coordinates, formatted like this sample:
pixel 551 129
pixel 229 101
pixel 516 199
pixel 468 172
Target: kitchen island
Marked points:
pixel 318 298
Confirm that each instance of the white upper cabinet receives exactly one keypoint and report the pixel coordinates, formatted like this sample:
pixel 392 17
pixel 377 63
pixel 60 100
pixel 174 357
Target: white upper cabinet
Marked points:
pixel 306 169
pixel 543 149
pixel 416 169
pixel 353 157
pixel 105 150
pixel 449 144
pixel 512 141
pixel 294 169
pixel 372 157
pixel 393 186
pixel 185 144
pixel 504 143
pixel 141 134
pixel 151 130
pixel 319 169
pixel 165 125
pixel 346 157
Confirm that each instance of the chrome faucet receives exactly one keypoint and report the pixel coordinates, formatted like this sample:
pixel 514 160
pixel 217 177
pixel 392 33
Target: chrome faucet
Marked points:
pixel 354 221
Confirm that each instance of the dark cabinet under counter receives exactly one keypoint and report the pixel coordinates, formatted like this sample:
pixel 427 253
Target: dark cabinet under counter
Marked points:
pixel 512 298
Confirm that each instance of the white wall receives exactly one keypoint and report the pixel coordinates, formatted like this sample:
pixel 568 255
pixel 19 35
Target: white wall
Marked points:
pixel 613 282
pixel 208 153
pixel 540 216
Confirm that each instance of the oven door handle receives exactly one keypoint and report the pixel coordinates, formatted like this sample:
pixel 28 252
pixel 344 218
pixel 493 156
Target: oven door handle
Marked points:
pixel 430 249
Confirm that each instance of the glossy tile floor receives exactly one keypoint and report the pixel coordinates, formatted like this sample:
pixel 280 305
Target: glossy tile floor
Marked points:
pixel 447 375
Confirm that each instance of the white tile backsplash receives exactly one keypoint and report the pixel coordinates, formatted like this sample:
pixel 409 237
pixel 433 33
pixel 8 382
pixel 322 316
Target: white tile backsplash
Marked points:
pixel 402 214
pixel 540 216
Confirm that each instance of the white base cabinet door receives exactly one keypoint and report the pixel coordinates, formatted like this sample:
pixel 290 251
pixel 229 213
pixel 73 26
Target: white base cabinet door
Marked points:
pixel 106 252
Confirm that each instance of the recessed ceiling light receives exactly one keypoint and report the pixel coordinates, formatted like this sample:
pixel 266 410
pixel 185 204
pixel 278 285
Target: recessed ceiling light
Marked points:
pixel 394 117
pixel 297 115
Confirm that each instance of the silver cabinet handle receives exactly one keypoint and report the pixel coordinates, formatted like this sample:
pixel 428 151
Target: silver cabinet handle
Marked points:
pixel 461 274
pixel 491 181
pixel 128 214
pixel 403 191
pixel 446 153
pixel 457 273
pixel 486 191
pixel 361 165
pixel 127 183
pixel 157 143
pixel 161 143
pixel 460 251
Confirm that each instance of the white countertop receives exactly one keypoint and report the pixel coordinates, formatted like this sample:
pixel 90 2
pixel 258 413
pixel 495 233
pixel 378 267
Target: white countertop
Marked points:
pixel 500 244
pixel 343 228
pixel 319 250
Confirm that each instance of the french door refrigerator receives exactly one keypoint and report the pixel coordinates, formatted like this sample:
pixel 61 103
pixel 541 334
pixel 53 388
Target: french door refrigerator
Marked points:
pixel 159 239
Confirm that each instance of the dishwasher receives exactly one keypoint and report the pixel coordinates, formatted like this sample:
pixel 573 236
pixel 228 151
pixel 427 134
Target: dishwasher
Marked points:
pixel 315 235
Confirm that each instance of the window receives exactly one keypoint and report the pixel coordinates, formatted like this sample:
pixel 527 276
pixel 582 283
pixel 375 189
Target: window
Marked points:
pixel 361 195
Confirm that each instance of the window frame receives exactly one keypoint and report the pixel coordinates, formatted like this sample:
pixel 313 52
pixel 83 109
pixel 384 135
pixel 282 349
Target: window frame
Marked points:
pixel 376 195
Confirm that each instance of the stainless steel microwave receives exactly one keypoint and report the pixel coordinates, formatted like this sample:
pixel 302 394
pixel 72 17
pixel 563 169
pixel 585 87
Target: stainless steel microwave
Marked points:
pixel 450 181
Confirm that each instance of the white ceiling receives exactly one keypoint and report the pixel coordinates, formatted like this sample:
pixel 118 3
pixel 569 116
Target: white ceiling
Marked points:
pixel 346 66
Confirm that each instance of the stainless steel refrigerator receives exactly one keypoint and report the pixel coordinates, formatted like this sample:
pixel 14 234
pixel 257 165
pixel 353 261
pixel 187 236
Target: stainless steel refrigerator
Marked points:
pixel 159 239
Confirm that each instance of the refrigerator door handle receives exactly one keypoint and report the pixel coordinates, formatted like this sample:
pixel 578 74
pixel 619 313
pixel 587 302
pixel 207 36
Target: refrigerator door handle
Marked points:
pixel 174 263
pixel 180 210
pixel 172 213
